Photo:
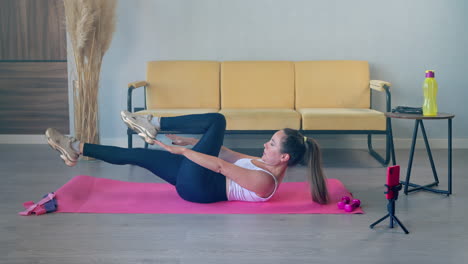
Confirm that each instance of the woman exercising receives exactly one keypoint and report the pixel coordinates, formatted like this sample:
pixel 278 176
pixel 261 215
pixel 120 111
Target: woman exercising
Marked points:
pixel 208 172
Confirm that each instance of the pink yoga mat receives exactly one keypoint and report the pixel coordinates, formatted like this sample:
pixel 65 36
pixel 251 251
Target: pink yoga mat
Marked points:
pixel 86 194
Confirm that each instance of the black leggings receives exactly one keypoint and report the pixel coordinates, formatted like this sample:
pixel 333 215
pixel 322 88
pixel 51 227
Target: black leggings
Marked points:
pixel 193 182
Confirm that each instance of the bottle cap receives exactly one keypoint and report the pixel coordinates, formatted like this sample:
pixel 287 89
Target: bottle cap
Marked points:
pixel 430 74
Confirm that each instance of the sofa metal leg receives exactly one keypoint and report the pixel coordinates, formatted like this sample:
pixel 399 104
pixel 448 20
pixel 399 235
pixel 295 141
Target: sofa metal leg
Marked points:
pixel 376 155
pixel 129 137
pixel 388 150
pixel 389 146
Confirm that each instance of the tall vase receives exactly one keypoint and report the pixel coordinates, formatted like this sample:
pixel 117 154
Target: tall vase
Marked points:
pixel 90 26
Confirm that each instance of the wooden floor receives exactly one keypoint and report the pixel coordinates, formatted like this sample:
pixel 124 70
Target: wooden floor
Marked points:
pixel 437 223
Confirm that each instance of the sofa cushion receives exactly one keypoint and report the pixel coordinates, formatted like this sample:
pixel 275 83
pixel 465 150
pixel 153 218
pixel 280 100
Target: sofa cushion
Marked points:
pixel 342 119
pixel 182 84
pixel 257 84
pixel 261 119
pixel 332 84
pixel 165 112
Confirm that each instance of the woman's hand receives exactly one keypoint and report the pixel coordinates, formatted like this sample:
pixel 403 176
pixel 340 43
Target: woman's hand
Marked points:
pixel 172 149
pixel 181 141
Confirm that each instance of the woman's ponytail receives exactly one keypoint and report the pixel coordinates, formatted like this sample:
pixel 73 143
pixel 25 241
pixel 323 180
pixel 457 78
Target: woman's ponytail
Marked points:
pixel 306 151
pixel 316 177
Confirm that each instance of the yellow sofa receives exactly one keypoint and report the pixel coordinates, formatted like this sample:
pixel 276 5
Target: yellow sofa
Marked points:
pixel 319 97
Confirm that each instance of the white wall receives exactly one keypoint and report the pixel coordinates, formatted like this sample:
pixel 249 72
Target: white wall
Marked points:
pixel 400 39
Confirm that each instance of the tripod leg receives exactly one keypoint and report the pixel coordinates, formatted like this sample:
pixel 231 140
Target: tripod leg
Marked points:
pixel 401 225
pixel 378 221
pixel 391 210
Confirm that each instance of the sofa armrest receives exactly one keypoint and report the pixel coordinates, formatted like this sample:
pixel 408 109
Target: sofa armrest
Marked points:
pixel 131 87
pixel 137 84
pixel 379 85
pixel 382 86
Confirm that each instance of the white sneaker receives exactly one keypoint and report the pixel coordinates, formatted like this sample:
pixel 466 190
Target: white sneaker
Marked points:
pixel 141 124
pixel 63 144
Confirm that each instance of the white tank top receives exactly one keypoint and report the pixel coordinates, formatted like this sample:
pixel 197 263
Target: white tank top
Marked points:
pixel 239 193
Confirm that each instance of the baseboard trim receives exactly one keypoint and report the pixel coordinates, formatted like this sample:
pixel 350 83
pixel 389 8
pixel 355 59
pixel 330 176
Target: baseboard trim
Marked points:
pixel 247 141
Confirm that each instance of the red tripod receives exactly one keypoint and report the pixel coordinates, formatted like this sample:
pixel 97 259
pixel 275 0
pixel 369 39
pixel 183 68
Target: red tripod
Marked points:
pixel 393 187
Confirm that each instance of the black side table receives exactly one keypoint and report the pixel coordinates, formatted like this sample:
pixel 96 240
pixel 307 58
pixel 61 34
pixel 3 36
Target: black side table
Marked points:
pixel 419 123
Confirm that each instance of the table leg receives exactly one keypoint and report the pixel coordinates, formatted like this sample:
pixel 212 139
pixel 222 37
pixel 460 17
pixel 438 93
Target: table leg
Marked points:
pixel 429 153
pixel 427 187
pixel 449 156
pixel 410 161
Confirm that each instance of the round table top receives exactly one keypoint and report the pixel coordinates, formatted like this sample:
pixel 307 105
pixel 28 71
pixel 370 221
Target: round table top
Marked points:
pixel 419 116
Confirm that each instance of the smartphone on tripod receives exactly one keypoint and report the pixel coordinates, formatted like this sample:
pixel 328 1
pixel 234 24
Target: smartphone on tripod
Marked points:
pixel 393 179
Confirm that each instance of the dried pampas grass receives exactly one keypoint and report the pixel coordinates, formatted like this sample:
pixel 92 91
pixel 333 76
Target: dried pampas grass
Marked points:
pixel 90 26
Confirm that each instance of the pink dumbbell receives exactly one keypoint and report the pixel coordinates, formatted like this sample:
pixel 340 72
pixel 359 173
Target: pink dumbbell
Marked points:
pixel 344 201
pixel 355 203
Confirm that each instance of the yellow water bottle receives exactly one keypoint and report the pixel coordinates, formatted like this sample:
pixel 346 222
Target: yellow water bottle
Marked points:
pixel 430 94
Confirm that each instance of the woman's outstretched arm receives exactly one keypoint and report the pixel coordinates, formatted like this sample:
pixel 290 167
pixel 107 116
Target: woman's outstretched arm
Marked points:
pixel 254 180
pixel 226 154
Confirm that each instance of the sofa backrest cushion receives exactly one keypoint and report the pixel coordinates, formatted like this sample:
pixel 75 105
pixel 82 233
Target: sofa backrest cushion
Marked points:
pixel 182 84
pixel 257 84
pixel 332 84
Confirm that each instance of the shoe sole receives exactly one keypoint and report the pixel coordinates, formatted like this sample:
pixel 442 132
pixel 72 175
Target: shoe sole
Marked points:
pixel 63 154
pixel 141 131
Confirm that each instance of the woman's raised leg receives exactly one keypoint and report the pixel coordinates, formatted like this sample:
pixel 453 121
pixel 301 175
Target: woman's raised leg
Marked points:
pixel 194 182
pixel 211 125
pixel 162 163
